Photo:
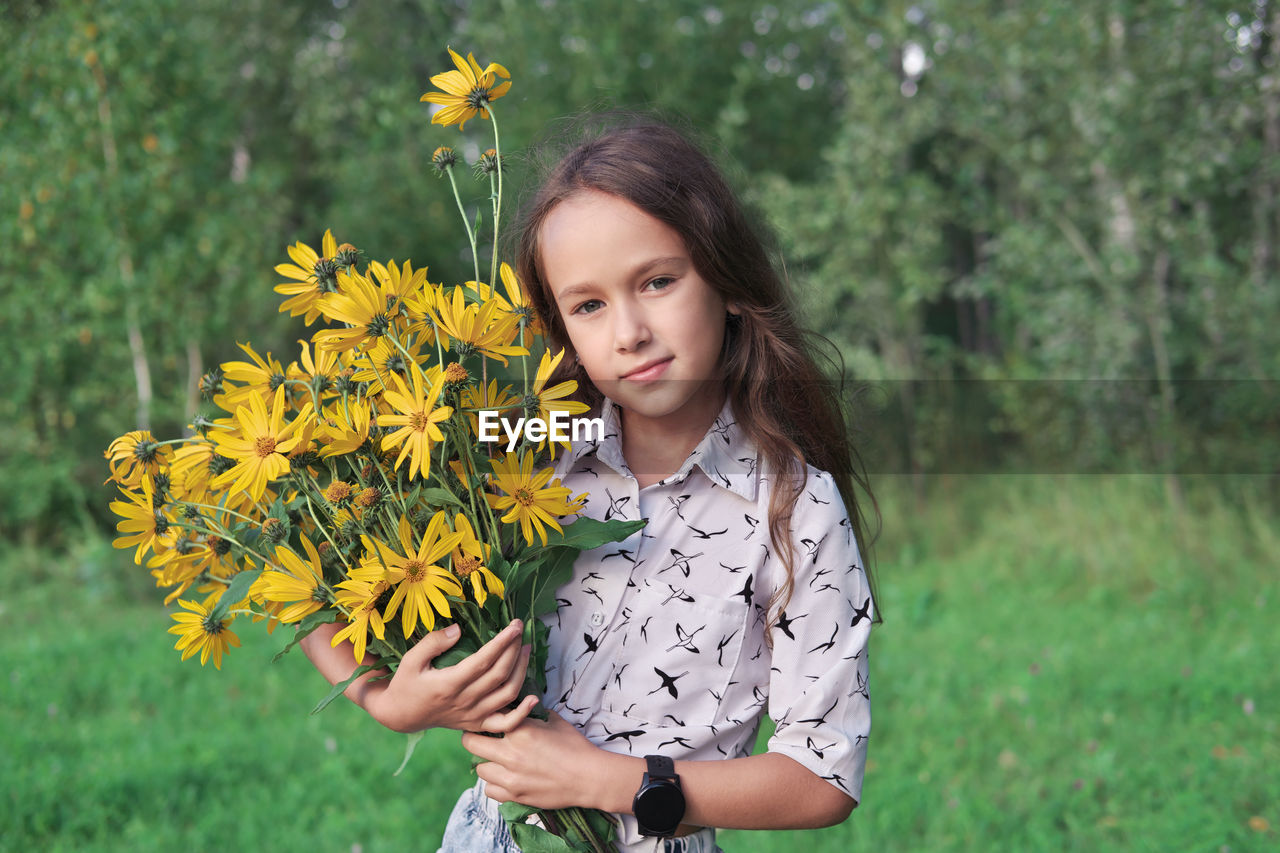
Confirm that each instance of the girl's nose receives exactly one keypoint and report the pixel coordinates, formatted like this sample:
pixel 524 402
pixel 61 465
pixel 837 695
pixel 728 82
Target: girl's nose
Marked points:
pixel 630 329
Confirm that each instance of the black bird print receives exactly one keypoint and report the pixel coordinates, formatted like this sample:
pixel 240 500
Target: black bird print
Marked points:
pixel 680 594
pixel 784 623
pixel 860 613
pixel 677 504
pixel 644 629
pixel 838 779
pixel 617 676
pixel 827 586
pixel 745 592
pixel 673 719
pixel 702 534
pixel 679 740
pixel 733 570
pixel 724 641
pixel 812 547
pixel 817 575
pixel 680 561
pixel 593 576
pixel 561 603
pixel 590 590
pixel 627 736
pixel 815 499
pixel 669 682
pixel 818 750
pixel 818 721
pixel 685 641
pixel 624 553
pixel 860 689
pixel 593 645
pixel 615 504
pixel 826 647
pixel 721 429
pixel 577 712
pixel 751 521
pixel 750 462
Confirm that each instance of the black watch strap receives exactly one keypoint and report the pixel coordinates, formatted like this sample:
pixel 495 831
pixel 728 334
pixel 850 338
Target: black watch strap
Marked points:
pixel 660 767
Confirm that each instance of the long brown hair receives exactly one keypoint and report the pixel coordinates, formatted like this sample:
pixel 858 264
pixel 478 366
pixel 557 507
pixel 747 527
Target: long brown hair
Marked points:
pixel 780 397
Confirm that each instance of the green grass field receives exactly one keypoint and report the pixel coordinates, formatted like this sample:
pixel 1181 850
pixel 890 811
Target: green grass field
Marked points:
pixel 1066 664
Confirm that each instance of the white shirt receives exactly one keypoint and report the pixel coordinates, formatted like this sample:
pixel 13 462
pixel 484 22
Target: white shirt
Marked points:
pixel 658 644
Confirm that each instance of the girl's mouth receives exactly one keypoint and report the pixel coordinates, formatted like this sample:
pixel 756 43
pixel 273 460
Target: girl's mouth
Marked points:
pixel 649 371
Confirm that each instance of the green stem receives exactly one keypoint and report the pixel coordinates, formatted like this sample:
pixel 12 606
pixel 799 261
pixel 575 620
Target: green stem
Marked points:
pixel 471 234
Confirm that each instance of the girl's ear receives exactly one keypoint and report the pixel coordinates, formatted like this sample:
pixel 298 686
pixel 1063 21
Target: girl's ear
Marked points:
pixel 733 308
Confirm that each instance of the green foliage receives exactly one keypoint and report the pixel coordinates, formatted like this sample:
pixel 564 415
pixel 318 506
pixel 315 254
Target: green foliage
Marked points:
pixel 1066 664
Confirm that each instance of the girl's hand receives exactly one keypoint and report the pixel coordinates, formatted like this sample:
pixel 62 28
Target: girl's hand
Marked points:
pixel 471 695
pixel 547 765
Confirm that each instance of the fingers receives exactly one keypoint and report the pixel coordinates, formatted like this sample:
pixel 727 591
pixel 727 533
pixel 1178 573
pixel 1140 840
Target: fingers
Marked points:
pixel 431 647
pixel 487 657
pixel 506 722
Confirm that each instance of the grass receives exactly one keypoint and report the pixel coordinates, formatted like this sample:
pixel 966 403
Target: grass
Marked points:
pixel 1066 664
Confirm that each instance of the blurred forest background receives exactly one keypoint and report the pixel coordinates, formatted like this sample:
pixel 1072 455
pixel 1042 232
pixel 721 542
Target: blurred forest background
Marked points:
pixel 1044 235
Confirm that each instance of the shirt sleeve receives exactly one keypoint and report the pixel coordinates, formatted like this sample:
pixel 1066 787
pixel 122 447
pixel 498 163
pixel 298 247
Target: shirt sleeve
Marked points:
pixel 818 692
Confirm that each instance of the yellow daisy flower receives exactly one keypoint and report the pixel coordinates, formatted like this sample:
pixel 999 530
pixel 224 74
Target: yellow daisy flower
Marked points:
pixel 198 632
pixel 339 436
pixel 313 276
pixel 135 456
pixel 483 328
pixel 467 91
pixel 359 598
pixel 382 358
pixel 319 371
pixel 418 418
pixel 401 282
pixel 360 304
pixel 546 401
pixel 146 525
pixel 469 560
pixel 300 585
pixel 475 399
pixel 259 445
pixel 530 499
pixel 420 584
pixel 259 378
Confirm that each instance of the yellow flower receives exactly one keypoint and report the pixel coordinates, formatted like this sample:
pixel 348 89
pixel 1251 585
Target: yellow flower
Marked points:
pixel 362 306
pixel 320 371
pixel 198 632
pixel 384 357
pixel 417 420
pixel 474 400
pixel 146 525
pixel 360 599
pixel 467 91
pixel 473 328
pixel 261 378
pixel 419 583
pixel 469 560
pixel 313 276
pixel 400 282
pixel 259 446
pixel 340 436
pixel 300 585
pixel 546 401
pixel 192 469
pixel 530 500
pixel 135 456
pixel 515 301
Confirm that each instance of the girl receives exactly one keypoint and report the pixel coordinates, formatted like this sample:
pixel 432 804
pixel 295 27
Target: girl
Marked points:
pixel 744 594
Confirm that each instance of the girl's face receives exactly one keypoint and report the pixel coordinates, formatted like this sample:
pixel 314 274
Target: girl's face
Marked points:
pixel 646 327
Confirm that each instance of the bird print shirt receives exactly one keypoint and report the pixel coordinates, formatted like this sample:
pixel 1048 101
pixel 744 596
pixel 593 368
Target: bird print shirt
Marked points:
pixel 658 643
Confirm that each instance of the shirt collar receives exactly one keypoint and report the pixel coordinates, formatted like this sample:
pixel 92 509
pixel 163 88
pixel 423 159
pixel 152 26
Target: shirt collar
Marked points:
pixel 725 455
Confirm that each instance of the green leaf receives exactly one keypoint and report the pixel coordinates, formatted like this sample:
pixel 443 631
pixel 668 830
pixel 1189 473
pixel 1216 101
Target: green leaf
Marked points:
pixel 440 497
pixel 235 593
pixel 337 689
pixel 308 624
pixel 465 647
pixel 535 839
pixel 512 812
pixel 587 533
pixel 411 743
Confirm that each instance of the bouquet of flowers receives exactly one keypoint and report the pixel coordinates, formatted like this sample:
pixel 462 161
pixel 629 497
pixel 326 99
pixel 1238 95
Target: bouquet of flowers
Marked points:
pixel 358 485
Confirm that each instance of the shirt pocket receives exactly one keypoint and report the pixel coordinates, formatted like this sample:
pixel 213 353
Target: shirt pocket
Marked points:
pixel 681 651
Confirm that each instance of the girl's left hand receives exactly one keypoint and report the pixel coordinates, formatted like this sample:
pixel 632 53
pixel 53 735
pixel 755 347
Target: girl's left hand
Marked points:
pixel 547 765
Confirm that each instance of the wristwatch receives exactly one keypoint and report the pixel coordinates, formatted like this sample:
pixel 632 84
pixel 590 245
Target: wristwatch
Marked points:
pixel 659 804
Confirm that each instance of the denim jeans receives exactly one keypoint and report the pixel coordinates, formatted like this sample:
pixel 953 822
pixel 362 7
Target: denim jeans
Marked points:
pixel 476 827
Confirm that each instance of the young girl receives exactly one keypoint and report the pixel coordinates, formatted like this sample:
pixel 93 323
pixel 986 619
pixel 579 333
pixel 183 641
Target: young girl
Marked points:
pixel 744 594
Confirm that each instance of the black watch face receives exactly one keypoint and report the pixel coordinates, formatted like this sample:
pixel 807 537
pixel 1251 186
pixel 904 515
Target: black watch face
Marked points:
pixel 660 807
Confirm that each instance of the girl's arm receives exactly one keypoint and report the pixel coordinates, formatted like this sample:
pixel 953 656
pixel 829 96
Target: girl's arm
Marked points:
pixel 552 765
pixel 471 695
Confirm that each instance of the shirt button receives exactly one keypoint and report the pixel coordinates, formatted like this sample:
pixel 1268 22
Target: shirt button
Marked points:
pixel 597 619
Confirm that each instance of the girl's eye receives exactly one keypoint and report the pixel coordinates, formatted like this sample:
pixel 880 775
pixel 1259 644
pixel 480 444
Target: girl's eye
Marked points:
pixel 591 306
pixel 659 283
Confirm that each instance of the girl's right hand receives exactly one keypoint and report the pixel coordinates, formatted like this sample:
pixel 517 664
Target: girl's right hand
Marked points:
pixel 472 695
